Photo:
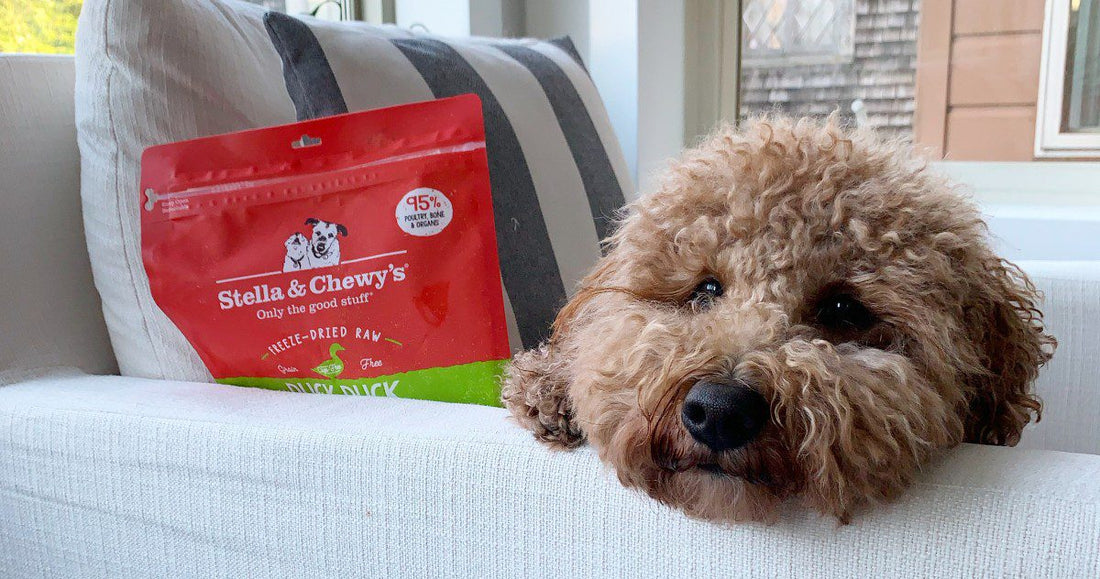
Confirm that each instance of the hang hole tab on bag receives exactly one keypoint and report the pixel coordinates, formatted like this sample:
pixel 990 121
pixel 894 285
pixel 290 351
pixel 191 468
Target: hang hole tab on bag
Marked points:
pixel 150 199
pixel 305 141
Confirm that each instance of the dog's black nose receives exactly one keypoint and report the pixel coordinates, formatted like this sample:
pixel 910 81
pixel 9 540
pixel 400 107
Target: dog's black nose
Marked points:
pixel 724 416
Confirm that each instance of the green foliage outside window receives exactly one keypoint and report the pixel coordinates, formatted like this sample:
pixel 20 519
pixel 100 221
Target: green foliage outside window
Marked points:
pixel 47 26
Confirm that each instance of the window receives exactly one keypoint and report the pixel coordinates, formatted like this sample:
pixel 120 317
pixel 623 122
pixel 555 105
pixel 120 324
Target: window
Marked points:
pixel 993 92
pixel 798 31
pixel 42 26
pixel 1069 103
pixel 49 26
pixel 965 80
pixel 326 9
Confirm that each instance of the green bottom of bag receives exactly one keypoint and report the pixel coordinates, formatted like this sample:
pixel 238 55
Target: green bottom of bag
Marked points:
pixel 473 383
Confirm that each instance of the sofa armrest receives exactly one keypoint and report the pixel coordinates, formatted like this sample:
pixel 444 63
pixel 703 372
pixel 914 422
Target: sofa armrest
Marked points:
pixel 1070 384
pixel 109 476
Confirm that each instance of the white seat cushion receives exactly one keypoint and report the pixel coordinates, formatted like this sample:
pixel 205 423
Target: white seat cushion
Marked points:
pixel 109 476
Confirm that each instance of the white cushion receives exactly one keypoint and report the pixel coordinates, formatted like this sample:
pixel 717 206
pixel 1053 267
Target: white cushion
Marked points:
pixel 51 313
pixel 105 477
pixel 1069 384
pixel 152 72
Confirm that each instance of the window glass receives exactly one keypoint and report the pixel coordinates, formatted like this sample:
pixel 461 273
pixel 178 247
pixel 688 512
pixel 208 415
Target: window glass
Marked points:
pixel 42 26
pixel 792 31
pixel 1081 112
pixel 813 57
pixel 49 26
pixel 961 78
pixel 327 9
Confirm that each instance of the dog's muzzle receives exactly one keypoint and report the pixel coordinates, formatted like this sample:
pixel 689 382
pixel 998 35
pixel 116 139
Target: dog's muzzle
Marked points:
pixel 724 416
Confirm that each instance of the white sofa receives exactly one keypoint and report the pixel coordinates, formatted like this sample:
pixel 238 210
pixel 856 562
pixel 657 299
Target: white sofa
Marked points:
pixel 107 476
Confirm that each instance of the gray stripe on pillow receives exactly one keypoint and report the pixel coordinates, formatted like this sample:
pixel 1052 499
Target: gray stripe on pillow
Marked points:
pixel 605 196
pixel 557 180
pixel 594 106
pixel 566 44
pixel 528 266
pixel 309 78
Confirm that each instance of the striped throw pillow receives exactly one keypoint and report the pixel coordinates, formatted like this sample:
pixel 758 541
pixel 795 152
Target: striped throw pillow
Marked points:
pixel 557 173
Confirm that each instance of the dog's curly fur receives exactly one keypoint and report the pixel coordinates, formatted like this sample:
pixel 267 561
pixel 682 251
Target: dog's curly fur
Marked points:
pixel 782 213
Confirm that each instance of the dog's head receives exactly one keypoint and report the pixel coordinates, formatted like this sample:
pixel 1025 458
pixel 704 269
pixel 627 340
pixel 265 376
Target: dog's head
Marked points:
pixel 798 310
pixel 324 236
pixel 296 245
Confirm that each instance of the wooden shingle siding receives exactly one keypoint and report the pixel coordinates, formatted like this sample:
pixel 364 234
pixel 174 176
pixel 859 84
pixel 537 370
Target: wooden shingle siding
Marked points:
pixel 880 72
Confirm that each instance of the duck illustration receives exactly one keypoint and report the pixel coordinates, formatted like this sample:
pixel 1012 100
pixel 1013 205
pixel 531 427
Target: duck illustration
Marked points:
pixel 332 367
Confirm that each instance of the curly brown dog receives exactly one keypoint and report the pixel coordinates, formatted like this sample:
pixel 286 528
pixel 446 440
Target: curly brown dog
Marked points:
pixel 799 310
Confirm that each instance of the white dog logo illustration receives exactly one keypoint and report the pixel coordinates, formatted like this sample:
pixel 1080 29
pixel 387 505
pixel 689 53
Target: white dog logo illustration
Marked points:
pixel 324 245
pixel 297 253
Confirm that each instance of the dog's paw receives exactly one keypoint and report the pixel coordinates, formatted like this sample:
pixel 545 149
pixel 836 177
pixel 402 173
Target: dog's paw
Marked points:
pixel 537 396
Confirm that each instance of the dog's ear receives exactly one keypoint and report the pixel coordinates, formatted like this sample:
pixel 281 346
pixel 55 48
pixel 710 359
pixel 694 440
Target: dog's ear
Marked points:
pixel 341 230
pixel 536 392
pixel 312 221
pixel 1003 320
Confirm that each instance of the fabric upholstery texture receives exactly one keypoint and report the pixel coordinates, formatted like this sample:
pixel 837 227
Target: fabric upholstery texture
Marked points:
pixel 51 315
pixel 1069 384
pixel 110 476
pixel 552 153
pixel 152 72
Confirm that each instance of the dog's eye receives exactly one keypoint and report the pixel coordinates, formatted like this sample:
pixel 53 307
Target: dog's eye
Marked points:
pixel 844 312
pixel 705 293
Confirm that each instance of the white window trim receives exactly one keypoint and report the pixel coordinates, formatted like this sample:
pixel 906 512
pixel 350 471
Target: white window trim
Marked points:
pixel 1050 141
pixel 374 11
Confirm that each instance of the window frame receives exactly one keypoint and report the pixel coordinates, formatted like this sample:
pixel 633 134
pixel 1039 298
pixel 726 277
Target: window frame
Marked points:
pixel 1050 141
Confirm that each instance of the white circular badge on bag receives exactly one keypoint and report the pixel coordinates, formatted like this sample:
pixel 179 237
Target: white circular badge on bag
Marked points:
pixel 424 212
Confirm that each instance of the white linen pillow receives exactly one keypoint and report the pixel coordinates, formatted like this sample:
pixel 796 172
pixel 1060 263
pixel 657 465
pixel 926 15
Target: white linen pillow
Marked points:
pixel 152 72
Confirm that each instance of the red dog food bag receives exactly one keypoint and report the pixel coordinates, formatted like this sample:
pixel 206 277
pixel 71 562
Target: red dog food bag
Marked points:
pixel 353 254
